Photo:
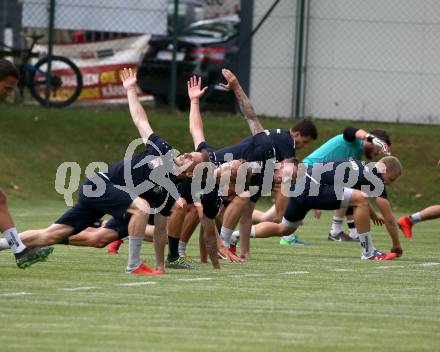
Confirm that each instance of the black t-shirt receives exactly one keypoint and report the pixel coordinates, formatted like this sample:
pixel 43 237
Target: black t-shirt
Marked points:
pixel 354 174
pixel 283 143
pixel 150 172
pixel 254 148
pixel 204 146
pixel 211 201
pixel 141 164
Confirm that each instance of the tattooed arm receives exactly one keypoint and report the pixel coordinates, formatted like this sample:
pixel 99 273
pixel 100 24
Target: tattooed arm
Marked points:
pixel 244 102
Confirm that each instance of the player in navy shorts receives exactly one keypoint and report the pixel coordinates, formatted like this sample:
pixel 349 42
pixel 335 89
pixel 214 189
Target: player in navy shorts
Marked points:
pixel 131 187
pixel 264 147
pixel 210 200
pixel 338 184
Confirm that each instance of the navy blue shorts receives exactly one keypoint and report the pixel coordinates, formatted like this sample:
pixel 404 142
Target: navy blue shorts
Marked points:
pixel 184 189
pixel 211 203
pixel 88 210
pixel 326 198
pixel 118 225
pixel 121 225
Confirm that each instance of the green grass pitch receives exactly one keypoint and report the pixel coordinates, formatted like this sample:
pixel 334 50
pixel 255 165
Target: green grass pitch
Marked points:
pixel 317 298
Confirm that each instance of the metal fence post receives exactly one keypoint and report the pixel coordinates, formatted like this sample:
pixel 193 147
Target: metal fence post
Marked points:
pixel 173 85
pixel 50 29
pixel 245 51
pixel 298 84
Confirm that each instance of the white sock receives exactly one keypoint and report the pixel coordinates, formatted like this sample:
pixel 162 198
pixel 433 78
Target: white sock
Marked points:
pixel 336 225
pixel 4 244
pixel 134 252
pixel 14 240
pixel 253 232
pixel 226 235
pixel 353 232
pixel 235 237
pixel 182 248
pixel 415 218
pixel 366 244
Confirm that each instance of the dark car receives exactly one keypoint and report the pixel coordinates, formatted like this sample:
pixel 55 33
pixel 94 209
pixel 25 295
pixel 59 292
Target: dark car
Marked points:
pixel 203 49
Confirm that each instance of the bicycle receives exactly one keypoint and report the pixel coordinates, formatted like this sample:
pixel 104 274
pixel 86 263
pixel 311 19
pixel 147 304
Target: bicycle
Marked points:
pixel 65 79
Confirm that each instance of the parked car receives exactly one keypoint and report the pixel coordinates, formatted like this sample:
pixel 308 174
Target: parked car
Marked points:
pixel 203 49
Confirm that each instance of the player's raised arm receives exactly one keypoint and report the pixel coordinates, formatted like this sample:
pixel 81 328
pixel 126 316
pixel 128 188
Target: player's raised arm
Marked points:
pixel 137 112
pixel 244 102
pixel 351 133
pixel 195 92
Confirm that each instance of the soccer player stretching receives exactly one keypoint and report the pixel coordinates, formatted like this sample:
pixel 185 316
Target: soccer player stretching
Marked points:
pixel 110 193
pixel 324 186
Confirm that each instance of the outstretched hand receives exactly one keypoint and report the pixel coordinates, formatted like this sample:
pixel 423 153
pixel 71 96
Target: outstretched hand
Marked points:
pixel 318 213
pixel 230 78
pixel 230 256
pixel 128 78
pixel 195 90
pixel 377 218
pixel 382 145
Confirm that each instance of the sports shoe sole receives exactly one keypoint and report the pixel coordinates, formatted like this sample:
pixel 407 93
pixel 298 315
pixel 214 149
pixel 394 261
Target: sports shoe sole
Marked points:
pixel 177 266
pixel 298 244
pixel 40 258
pixel 146 273
pixel 334 239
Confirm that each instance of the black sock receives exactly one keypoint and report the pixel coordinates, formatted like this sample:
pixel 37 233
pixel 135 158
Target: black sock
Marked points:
pixel 350 224
pixel 173 248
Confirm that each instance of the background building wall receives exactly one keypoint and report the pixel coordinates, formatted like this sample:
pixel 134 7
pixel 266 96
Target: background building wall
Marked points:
pixel 374 60
pixel 271 79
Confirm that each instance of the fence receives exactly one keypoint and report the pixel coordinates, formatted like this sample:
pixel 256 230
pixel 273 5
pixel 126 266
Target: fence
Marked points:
pixel 362 60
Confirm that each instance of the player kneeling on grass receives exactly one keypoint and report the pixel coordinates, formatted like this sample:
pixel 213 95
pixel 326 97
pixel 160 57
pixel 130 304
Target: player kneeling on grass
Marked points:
pixel 325 186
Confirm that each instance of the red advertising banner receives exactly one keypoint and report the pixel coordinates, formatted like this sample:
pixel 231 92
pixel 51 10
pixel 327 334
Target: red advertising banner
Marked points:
pixel 100 64
pixel 103 82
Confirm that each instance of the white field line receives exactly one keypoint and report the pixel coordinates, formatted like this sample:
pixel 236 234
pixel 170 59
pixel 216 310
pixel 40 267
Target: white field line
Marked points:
pixel 344 270
pixel 429 264
pixel 13 294
pixel 391 267
pixel 82 288
pixel 295 273
pixel 246 275
pixel 141 283
pixel 197 279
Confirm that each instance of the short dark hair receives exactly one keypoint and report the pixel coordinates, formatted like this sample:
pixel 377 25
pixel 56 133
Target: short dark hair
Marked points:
pixel 7 68
pixel 306 128
pixel 381 134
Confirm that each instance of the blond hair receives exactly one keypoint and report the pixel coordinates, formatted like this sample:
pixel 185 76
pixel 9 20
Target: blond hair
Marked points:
pixel 391 165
